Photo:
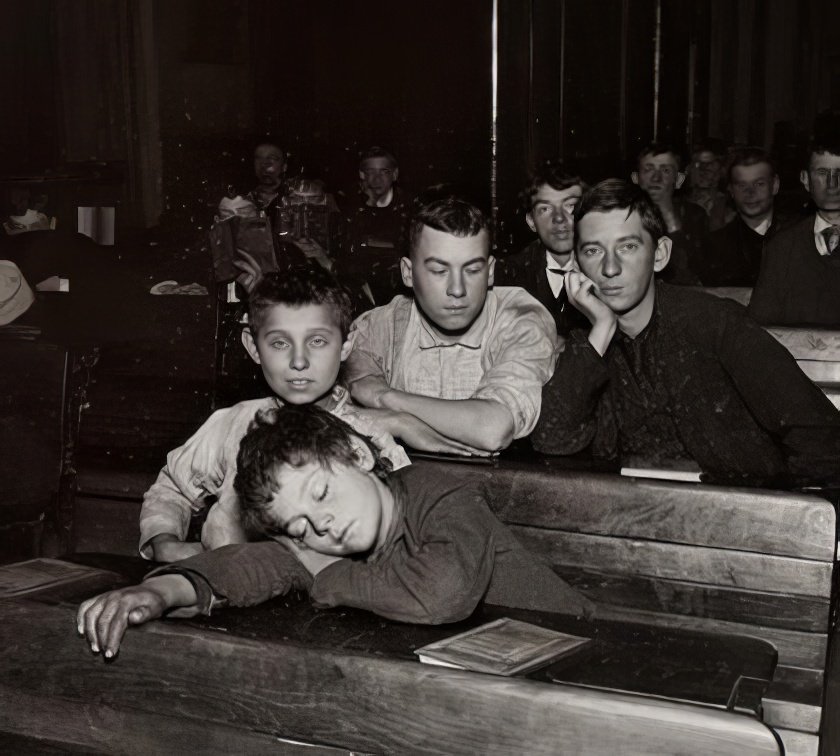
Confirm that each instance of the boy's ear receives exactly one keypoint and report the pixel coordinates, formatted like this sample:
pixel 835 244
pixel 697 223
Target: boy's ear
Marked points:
pixel 405 270
pixel 680 180
pixel 250 345
pixel 529 219
pixel 346 348
pixel 634 177
pixel 662 253
pixel 362 453
pixel 491 266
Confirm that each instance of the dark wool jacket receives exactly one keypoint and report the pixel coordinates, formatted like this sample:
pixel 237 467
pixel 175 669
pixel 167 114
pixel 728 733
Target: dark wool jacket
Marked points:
pixel 711 381
pixel 527 269
pixel 444 553
pixel 797 285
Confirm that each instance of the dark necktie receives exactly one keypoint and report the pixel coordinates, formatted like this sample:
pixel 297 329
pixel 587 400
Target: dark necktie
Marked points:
pixel 832 240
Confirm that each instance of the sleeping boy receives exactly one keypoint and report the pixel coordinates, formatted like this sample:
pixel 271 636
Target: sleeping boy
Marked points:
pixel 406 545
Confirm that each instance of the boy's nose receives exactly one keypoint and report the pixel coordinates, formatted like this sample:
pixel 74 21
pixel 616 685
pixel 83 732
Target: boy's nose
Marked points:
pixel 299 360
pixel 456 285
pixel 611 266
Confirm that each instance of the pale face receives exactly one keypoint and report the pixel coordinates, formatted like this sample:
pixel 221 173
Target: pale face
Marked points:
pixel 300 351
pixel 659 175
pixel 269 164
pixel 449 275
pixel 620 258
pixel 705 170
pixel 753 188
pixel 378 176
pixel 822 180
pixel 338 512
pixel 552 217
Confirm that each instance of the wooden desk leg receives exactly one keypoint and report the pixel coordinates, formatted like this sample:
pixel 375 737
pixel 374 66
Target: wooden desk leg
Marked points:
pixel 59 535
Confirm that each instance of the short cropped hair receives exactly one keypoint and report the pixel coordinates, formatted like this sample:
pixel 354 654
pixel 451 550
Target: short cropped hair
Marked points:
pixel 827 142
pixel 744 156
pixel 299 285
pixel 443 209
pixel 291 436
pixel 377 152
pixel 660 148
pixel 617 194
pixel 551 173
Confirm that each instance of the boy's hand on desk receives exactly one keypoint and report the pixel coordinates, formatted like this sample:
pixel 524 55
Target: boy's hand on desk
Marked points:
pixel 168 548
pixel 103 619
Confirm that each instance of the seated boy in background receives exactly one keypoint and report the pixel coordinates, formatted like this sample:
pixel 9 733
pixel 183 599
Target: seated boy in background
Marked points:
pixel 405 545
pixel 297 333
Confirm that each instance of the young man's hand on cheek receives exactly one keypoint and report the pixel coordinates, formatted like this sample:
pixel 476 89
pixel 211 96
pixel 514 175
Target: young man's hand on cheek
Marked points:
pixel 582 293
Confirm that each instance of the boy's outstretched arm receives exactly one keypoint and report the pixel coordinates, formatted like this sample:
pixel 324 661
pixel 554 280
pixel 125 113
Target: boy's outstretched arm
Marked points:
pixel 104 619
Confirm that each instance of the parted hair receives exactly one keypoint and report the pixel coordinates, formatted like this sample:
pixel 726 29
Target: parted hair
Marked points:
pixel 551 173
pixel 296 286
pixel 617 194
pixel 291 436
pixel 377 152
pixel 443 209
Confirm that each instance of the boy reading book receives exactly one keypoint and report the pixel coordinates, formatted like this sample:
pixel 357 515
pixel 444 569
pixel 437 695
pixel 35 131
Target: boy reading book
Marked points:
pixel 406 545
pixel 297 333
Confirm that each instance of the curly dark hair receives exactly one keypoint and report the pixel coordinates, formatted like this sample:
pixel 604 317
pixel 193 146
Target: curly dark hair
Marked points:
pixel 293 436
pixel 554 173
pixel 296 286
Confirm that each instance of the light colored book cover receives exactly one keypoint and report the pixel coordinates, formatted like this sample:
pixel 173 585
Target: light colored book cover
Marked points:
pixel 503 647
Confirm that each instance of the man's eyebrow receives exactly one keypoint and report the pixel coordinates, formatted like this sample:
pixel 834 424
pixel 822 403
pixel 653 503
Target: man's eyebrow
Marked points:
pixel 448 264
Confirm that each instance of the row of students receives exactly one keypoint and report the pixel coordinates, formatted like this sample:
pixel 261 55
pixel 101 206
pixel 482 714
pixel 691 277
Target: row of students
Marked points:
pixel 688 379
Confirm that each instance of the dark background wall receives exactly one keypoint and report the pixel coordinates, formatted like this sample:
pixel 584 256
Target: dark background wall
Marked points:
pixel 166 98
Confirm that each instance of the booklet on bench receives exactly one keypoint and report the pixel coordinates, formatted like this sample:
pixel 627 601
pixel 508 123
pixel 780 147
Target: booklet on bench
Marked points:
pixel 502 647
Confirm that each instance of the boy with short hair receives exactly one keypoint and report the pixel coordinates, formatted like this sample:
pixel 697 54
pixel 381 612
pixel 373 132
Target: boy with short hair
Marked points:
pixel 424 549
pixel 297 333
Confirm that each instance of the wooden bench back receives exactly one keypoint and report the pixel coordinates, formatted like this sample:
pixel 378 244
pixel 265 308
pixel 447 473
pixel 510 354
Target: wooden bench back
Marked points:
pixel 717 559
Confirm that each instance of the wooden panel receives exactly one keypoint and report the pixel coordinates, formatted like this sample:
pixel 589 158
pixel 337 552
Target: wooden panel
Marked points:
pixel 720 567
pixel 93 728
pixel 808 614
pixel 770 522
pixel 821 373
pixel 796 649
pixel 794 699
pixel 106 526
pixel 798 743
pixel 354 701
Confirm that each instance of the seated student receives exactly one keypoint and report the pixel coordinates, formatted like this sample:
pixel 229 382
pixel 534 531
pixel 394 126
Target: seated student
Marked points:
pixel 549 203
pixel 375 227
pixel 408 546
pixel 672 376
pixel 799 281
pixel 468 361
pixel 659 174
pixel 298 323
pixel 704 173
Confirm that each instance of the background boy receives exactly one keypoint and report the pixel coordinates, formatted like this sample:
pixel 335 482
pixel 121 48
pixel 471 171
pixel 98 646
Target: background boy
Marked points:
pixel 667 375
pixel 425 549
pixel 297 333
pixel 468 361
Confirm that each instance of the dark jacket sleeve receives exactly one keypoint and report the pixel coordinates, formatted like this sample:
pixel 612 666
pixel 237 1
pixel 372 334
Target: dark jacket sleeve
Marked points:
pixel 439 578
pixel 569 418
pixel 767 300
pixel 242 574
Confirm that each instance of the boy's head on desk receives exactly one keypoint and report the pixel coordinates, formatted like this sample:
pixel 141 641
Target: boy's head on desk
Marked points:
pixel 305 474
pixel 298 321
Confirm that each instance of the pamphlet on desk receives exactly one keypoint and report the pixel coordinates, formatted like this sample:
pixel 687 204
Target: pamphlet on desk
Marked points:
pixel 503 647
pixel 36 576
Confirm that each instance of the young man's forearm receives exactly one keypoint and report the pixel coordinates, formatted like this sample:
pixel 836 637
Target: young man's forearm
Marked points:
pixel 481 423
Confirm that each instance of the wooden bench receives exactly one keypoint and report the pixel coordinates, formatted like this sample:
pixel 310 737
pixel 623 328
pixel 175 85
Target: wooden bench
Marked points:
pixel 816 350
pixel 725 560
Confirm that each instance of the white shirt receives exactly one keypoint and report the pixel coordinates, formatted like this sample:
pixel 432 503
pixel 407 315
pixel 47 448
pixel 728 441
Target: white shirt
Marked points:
pixel 820 224
pixel 555 279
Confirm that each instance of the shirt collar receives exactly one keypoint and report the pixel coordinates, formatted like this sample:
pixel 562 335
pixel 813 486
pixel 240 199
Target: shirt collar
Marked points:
pixel 820 224
pixel 555 279
pixel 431 339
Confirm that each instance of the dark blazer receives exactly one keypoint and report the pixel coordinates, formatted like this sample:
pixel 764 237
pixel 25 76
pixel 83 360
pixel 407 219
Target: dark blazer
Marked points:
pixel 527 269
pixel 797 285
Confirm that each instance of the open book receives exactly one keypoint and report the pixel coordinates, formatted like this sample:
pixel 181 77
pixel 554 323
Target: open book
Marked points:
pixel 502 647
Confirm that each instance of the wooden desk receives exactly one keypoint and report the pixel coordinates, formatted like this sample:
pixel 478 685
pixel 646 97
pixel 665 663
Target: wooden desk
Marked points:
pixel 261 679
